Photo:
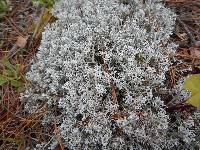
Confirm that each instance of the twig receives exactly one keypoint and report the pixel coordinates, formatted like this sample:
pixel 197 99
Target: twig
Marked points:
pixel 13 51
pixel 58 136
pixel 113 91
pixel 14 27
pixel 37 27
pixel 193 41
pixel 48 142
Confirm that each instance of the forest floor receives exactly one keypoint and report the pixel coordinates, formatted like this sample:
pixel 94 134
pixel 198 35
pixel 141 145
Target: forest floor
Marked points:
pixel 21 26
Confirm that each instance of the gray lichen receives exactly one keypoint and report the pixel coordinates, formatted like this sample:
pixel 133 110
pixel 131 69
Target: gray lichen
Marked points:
pixel 103 63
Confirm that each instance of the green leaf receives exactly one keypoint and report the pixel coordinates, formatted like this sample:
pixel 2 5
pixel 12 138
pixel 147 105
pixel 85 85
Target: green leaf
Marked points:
pixel 3 6
pixel 7 64
pixel 1 43
pixel 17 69
pixel 16 83
pixel 192 84
pixel 195 100
pixel 18 141
pixel 21 89
pixel 3 79
pixel 46 3
pixel 9 73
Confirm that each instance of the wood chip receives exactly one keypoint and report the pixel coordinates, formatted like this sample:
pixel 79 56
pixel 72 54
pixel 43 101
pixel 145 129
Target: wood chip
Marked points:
pixel 21 41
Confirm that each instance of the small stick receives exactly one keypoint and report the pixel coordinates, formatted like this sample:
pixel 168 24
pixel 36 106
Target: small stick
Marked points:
pixel 193 41
pixel 58 136
pixel 37 28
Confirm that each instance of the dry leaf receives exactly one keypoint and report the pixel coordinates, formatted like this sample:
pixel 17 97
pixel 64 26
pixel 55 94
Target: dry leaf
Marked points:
pixel 21 41
pixel 119 131
pixel 114 95
pixel 197 44
pixel 195 52
pixel 119 115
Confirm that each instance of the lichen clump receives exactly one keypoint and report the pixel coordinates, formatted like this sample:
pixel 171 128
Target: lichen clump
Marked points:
pixel 103 64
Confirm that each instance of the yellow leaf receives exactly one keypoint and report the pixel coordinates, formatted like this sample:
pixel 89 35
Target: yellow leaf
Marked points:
pixel 45 18
pixel 195 100
pixel 192 84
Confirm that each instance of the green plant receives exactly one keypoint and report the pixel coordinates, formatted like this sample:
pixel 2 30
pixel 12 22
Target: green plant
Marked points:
pixel 11 74
pixel 4 7
pixel 17 141
pixel 192 84
pixel 45 3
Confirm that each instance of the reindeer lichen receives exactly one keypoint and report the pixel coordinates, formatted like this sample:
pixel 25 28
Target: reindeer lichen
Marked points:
pixel 102 64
